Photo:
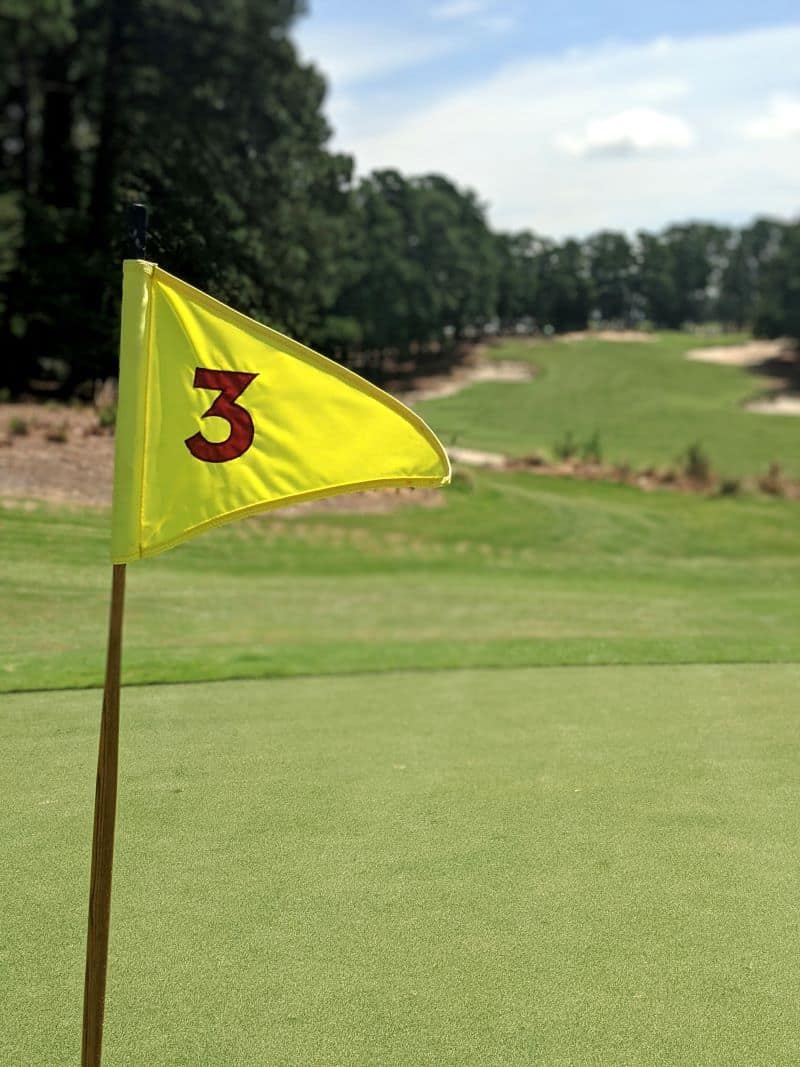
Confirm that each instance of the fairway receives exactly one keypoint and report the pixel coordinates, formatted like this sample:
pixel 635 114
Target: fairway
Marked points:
pixel 558 866
pixel 645 403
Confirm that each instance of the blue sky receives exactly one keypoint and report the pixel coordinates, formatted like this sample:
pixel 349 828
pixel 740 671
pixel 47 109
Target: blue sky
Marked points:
pixel 570 117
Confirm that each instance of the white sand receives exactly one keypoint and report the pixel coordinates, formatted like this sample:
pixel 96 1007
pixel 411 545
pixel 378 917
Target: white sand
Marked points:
pixel 472 457
pixel 781 404
pixel 460 377
pixel 633 336
pixel 749 354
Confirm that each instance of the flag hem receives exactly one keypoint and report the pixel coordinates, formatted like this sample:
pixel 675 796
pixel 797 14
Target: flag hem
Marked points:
pixel 131 429
pixel 148 334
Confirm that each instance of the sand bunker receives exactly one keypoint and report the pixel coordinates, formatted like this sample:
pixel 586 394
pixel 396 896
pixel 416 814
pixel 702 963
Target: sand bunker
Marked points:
pixel 460 377
pixel 749 354
pixel 633 336
pixel 781 404
pixel 755 354
pixel 474 457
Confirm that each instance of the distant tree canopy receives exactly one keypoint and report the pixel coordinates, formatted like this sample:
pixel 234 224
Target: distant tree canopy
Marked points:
pixel 200 109
pixel 426 265
pixel 205 112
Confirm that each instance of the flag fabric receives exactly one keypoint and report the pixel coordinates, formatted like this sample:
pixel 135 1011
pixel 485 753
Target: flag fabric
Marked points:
pixel 220 417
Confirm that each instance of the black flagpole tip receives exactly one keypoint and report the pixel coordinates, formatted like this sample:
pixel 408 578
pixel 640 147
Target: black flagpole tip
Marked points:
pixel 136 231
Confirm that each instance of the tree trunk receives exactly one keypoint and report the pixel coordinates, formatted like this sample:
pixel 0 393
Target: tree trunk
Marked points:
pixel 104 174
pixel 57 184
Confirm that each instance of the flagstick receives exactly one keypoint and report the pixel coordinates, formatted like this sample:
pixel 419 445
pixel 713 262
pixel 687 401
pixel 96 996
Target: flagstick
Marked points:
pixel 105 797
pixel 105 806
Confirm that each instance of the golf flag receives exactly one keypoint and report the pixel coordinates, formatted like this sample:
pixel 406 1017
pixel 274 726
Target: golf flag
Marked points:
pixel 220 417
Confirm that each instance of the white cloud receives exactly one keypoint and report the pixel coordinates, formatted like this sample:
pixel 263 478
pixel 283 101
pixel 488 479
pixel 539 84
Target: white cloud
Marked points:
pixel 357 53
pixel 458 9
pixel 780 121
pixel 475 14
pixel 621 136
pixel 496 23
pixel 635 130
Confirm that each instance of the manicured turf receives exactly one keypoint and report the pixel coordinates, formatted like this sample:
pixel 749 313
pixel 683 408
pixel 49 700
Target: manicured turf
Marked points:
pixel 561 866
pixel 520 570
pixel 646 402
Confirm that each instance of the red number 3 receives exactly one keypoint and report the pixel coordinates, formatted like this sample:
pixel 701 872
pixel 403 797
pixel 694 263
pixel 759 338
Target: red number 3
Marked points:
pixel 231 385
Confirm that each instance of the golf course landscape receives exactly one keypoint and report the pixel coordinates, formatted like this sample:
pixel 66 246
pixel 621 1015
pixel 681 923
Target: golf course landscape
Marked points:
pixel 500 775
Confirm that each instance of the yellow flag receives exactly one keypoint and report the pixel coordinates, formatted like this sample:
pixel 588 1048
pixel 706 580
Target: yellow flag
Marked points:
pixel 220 417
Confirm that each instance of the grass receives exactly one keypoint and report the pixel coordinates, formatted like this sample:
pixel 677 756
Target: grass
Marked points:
pixel 414 859
pixel 469 868
pixel 519 571
pixel 645 402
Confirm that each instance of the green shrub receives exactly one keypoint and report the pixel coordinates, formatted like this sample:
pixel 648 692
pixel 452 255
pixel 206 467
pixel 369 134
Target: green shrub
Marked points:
pixel 696 464
pixel 566 448
pixel 17 426
pixel 592 450
pixel 773 482
pixel 730 486
pixel 107 416
pixel 462 479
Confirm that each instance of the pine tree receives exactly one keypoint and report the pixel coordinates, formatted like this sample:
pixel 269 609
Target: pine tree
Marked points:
pixel 202 110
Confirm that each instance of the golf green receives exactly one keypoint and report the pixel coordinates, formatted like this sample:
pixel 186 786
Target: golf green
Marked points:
pixel 579 865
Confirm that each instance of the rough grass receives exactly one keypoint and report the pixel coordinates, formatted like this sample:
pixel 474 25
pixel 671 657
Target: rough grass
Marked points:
pixel 519 571
pixel 646 403
pixel 565 866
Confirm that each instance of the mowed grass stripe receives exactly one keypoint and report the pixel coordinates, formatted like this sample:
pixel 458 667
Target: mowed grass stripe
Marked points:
pixel 467 868
pixel 515 571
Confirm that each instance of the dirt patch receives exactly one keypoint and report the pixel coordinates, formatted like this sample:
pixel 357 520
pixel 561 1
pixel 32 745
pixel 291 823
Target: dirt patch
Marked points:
pixel 54 453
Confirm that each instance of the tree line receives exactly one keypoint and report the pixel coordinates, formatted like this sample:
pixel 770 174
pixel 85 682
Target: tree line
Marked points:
pixel 205 112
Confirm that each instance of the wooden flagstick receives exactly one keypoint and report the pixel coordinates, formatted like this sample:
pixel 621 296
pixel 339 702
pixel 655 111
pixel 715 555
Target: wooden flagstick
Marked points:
pixel 105 801
pixel 105 807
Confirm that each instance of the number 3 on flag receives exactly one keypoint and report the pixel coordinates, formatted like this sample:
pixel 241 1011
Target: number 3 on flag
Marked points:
pixel 231 384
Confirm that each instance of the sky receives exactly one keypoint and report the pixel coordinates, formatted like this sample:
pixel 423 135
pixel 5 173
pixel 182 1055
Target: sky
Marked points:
pixel 571 117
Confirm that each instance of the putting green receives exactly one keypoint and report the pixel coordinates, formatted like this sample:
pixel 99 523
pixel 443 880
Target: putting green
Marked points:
pixel 554 866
